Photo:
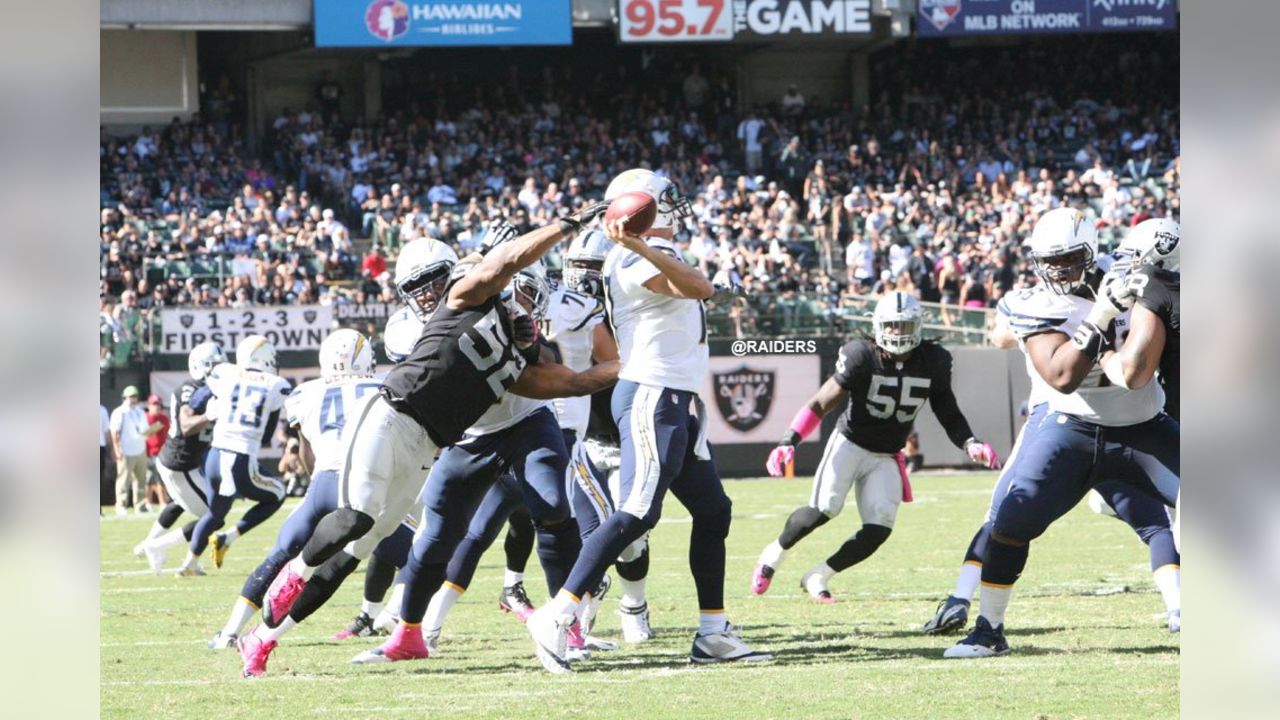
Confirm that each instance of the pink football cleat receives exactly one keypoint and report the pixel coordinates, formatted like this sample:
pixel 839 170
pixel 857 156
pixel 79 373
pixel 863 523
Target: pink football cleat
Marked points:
pixel 761 578
pixel 575 639
pixel 281 596
pixel 515 600
pixel 255 651
pixel 405 643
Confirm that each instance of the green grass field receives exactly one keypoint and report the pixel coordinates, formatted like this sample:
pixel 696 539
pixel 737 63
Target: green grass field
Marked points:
pixel 1086 642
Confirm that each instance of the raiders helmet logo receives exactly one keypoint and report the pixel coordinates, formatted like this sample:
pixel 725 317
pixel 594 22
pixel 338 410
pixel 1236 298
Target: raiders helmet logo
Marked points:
pixel 309 316
pixel 1165 243
pixel 744 396
pixel 187 320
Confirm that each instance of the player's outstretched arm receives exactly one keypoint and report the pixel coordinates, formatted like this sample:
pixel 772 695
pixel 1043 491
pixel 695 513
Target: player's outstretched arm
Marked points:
pixel 676 279
pixel 1135 364
pixel 805 423
pixel 501 264
pixel 547 381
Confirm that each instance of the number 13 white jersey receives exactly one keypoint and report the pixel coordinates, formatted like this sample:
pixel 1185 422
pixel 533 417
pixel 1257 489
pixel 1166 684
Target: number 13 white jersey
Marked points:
pixel 244 399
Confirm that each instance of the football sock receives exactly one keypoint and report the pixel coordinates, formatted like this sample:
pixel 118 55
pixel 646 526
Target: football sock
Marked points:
pixel 300 566
pixel 967 582
pixel 191 561
pixel 632 592
pixel 861 546
pixel 824 573
pixel 157 529
pixel 371 608
pixel 241 613
pixel 1169 581
pixel 993 601
pixel 322 585
pixel 230 536
pixel 773 555
pixel 999 573
pixel 511 577
pixel 801 522
pixel 278 631
pixel 565 603
pixel 711 621
pixel 707 553
pixel 169 539
pixel 441 603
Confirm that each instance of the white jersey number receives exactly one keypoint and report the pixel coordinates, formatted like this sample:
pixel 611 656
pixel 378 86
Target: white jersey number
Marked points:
pixel 883 406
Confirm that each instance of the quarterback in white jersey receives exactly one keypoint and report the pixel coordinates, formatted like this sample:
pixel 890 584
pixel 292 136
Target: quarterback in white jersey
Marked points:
pixel 1091 430
pixel 655 305
pixel 248 397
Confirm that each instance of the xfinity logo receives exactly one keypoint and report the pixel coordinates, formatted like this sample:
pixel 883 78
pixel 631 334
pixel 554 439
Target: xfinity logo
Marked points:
pixel 807 17
pixel 1110 5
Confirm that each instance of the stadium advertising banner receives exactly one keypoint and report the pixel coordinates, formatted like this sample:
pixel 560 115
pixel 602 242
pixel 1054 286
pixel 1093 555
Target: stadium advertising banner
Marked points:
pixel 751 399
pixel 441 23
pixel 666 21
pixel 946 18
pixel 301 327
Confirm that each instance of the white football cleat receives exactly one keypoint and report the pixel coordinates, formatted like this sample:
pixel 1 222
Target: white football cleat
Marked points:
pixel 140 550
pixel 815 583
pixel 386 622
pixel 155 557
pixel 222 641
pixel 983 642
pixel 724 646
pixel 635 624
pixel 1175 621
pixel 193 570
pixel 550 639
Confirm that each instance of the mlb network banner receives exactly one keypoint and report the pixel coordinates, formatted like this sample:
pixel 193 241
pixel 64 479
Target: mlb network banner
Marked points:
pixel 441 23
pixel 751 399
pixel 653 21
pixel 940 18
pixel 301 327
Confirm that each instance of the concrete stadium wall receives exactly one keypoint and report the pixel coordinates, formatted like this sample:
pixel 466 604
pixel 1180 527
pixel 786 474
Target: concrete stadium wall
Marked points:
pixel 147 76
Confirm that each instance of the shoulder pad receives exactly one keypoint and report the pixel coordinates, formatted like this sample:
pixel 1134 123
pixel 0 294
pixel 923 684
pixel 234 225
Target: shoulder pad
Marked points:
pixel 1032 311
pixel 401 334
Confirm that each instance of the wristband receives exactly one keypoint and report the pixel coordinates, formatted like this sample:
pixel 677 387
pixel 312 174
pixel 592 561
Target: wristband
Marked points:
pixel 791 439
pixel 804 423
pixel 569 225
pixel 1088 340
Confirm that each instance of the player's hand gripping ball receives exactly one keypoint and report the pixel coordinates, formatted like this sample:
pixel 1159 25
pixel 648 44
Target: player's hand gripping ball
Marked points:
pixel 638 209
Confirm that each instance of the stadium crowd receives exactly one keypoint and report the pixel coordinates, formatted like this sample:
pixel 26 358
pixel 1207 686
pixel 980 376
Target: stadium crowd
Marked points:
pixel 808 203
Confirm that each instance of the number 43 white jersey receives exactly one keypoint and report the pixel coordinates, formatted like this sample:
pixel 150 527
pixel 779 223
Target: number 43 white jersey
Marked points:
pixel 321 408
pixel 662 340
pixel 244 401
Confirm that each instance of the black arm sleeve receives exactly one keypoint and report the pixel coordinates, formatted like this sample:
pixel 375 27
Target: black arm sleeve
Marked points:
pixel 943 401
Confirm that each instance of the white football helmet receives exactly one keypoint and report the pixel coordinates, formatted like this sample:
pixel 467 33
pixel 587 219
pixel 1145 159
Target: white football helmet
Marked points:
pixel 672 206
pixel 203 358
pixel 422 273
pixel 1064 249
pixel 345 352
pixel 528 293
pixel 256 353
pixel 1155 241
pixel 898 323
pixel 584 260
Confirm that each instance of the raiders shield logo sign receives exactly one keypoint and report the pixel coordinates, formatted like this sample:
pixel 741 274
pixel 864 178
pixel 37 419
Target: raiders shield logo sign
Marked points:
pixel 186 320
pixel 743 396
pixel 309 316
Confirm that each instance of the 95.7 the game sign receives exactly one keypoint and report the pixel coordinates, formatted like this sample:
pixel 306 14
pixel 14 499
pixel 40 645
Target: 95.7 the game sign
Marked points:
pixel 674 20
pixel 301 327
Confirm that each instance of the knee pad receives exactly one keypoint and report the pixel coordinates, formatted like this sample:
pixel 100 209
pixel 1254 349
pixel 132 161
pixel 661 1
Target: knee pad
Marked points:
pixel 169 515
pixel 351 523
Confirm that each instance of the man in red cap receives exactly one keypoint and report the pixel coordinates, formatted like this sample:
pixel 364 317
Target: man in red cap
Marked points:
pixel 159 422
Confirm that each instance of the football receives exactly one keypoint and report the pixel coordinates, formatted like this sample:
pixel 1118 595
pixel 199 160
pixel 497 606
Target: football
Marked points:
pixel 639 208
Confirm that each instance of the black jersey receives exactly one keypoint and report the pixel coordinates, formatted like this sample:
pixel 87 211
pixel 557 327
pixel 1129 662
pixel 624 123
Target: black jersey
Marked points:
pixel 1159 293
pixel 463 362
pixel 885 396
pixel 184 452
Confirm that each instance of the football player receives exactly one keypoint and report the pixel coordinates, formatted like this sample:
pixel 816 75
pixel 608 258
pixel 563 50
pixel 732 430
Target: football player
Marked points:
pixel 1091 428
pixel 249 397
pixel 655 304
pixel 470 353
pixel 182 457
pixel 318 409
pixel 888 379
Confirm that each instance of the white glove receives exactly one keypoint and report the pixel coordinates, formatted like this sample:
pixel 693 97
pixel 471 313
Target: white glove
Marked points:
pixel 1114 299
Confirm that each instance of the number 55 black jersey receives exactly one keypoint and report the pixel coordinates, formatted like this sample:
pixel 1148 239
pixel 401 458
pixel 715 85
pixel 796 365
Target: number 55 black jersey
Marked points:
pixel 885 395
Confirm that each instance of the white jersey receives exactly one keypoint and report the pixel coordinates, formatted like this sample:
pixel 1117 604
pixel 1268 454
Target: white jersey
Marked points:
pixel 244 401
pixel 570 327
pixel 402 334
pixel 1037 310
pixel 662 340
pixel 320 409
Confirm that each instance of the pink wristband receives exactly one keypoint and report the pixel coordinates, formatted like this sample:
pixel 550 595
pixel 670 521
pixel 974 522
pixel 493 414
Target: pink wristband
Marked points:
pixel 805 422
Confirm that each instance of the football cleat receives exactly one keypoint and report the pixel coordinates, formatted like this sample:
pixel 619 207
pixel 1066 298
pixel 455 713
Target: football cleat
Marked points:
pixel 193 570
pixel 155 557
pixel 222 641
pixel 1175 621
pixel 255 652
pixel 140 550
pixel 761 578
pixel 406 643
pixel 591 608
pixel 550 635
pixel 635 623
pixel 724 646
pixel 816 585
pixel 362 626
pixel 595 643
pixel 513 599
pixel 575 644
pixel 281 596
pixel 984 641
pixel 218 547
pixel 951 616
pixel 386 622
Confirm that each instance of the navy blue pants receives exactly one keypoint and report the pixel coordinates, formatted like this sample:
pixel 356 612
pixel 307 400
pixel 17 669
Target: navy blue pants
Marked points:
pixel 658 433
pixel 1068 456
pixel 533 450
pixel 234 475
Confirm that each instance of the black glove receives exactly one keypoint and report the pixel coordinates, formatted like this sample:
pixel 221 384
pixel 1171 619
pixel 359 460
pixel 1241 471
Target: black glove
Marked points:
pixel 523 331
pixel 585 216
pixel 497 234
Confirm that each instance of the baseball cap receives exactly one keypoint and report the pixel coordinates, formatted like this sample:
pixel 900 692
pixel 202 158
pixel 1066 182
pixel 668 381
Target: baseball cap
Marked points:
pixel 131 391
pixel 153 399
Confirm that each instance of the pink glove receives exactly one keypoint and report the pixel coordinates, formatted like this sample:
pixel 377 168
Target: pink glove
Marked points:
pixel 983 454
pixel 779 458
